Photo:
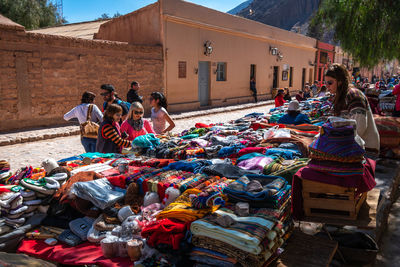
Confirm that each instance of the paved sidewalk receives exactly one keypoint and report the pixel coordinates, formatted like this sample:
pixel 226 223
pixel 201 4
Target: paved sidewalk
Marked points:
pixel 37 134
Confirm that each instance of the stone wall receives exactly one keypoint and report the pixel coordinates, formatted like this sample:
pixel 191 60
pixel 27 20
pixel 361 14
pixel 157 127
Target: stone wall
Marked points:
pixel 43 76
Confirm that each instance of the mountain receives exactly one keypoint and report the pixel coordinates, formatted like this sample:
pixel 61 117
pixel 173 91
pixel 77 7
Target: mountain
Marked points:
pixel 243 5
pixel 283 14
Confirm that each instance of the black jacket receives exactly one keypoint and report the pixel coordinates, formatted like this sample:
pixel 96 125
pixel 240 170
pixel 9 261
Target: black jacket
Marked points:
pixel 133 96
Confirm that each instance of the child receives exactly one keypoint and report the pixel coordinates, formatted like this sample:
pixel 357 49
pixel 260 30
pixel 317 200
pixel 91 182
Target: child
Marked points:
pixel 159 114
pixel 135 125
pixel 109 139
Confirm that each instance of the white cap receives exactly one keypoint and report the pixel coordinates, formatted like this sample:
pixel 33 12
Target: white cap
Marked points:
pixel 294 105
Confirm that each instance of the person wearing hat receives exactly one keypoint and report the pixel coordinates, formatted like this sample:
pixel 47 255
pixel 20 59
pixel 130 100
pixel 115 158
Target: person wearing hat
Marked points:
pixel 294 116
pixel 279 101
pixel 111 97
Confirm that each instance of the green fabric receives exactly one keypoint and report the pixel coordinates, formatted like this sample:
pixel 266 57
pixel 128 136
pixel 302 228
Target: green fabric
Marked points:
pixel 190 136
pixel 285 168
pixel 94 155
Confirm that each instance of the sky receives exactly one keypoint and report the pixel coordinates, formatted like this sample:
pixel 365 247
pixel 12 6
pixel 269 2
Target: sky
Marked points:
pixel 86 10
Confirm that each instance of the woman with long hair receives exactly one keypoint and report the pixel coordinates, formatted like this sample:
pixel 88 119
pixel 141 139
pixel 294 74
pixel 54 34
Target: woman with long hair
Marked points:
pixel 159 113
pixel 351 103
pixel 135 125
pixel 109 139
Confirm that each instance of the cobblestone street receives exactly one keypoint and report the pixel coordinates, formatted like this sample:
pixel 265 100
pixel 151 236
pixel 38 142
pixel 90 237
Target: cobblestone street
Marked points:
pixel 33 153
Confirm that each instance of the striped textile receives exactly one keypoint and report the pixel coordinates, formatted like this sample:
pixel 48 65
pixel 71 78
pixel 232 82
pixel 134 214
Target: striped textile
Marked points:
pixel 108 132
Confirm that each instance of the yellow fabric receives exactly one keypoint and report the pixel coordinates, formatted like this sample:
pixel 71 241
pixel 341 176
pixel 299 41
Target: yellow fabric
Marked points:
pixel 182 208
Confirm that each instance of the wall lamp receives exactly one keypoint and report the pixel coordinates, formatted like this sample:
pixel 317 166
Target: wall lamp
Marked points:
pixel 208 49
pixel 196 70
pixel 273 50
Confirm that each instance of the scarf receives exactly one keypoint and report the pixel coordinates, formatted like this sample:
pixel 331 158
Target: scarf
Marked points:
pixel 137 125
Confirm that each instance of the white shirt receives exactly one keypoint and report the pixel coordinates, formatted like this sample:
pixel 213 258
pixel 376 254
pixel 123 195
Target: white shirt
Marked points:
pixel 158 119
pixel 80 112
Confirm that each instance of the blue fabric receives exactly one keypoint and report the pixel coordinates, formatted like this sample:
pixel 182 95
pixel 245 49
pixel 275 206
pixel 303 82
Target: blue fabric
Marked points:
pixel 193 166
pixel 254 114
pixel 275 191
pixel 229 150
pixel 284 153
pixel 146 141
pixel 70 159
pixel 299 119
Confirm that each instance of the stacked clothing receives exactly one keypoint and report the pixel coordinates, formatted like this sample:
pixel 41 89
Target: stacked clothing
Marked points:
pixel 259 191
pixel 336 151
pixel 250 240
pixel 337 159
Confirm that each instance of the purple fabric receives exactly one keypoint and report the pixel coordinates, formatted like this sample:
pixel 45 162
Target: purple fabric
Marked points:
pixel 255 163
pixel 363 183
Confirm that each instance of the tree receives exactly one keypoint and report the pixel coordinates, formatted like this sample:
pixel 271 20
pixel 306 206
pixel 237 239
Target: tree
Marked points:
pixel 116 15
pixel 31 14
pixel 104 16
pixel 367 29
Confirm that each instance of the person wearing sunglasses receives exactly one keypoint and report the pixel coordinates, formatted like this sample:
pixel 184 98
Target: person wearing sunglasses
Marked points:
pixel 109 139
pixel 351 103
pixel 135 125
pixel 110 97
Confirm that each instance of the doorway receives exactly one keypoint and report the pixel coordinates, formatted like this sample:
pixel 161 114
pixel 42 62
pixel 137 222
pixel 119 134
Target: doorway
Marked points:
pixel 253 71
pixel 275 77
pixel 310 78
pixel 303 78
pixel 204 83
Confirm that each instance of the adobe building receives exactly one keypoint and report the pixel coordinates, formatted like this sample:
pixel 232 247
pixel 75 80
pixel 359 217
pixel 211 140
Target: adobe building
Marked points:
pixel 324 56
pixel 209 56
pixel 42 76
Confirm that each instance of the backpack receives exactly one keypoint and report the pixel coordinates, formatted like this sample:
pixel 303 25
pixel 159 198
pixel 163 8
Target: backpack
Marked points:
pixel 119 102
pixel 89 128
pixel 127 104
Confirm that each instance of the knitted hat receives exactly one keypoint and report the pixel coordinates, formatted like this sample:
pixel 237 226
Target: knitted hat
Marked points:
pixel 124 213
pixel 94 235
pixel 49 164
pixel 171 194
pixel 150 198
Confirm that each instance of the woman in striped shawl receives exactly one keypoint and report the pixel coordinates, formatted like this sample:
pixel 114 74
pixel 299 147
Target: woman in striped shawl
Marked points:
pixel 109 138
pixel 351 103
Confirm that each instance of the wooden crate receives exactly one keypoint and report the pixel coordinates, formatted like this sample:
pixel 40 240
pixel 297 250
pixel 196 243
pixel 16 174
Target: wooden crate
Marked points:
pixel 331 201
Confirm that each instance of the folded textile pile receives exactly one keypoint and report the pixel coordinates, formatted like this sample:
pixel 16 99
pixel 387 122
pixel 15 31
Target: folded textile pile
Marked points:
pixel 183 210
pixel 259 190
pixel 389 130
pixel 166 231
pixel 250 240
pixel 285 168
pixel 336 151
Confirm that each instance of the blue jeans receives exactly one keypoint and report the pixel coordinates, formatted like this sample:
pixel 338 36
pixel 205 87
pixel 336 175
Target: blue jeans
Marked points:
pixel 89 144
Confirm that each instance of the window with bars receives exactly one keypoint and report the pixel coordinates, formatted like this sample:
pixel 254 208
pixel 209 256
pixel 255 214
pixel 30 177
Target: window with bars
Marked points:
pixel 182 69
pixel 221 71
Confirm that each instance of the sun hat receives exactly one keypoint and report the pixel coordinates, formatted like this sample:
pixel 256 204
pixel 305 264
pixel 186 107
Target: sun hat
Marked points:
pixel 294 105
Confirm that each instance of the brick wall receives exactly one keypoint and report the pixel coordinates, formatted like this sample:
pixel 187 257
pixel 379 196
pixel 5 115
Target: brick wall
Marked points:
pixel 43 76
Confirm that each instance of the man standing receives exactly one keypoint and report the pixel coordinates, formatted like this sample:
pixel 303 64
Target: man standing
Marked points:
pixel 253 87
pixel 110 97
pixel 314 88
pixel 133 95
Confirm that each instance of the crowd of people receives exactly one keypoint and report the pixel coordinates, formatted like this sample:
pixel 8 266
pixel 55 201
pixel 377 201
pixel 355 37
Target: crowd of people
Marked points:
pixel 119 122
